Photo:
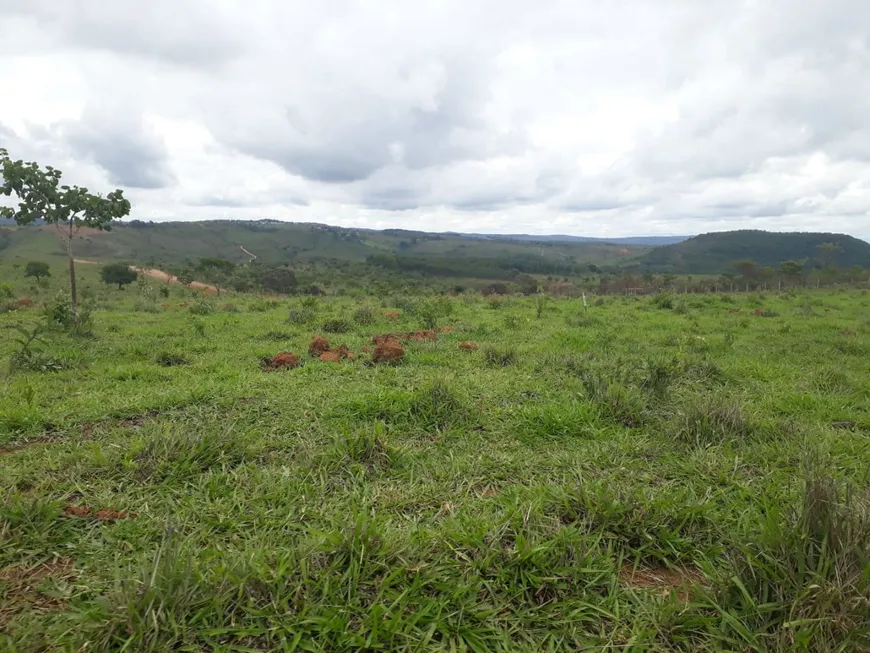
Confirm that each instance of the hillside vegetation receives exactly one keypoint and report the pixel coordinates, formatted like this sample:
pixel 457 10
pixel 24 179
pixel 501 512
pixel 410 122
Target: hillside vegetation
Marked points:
pixel 715 253
pixel 274 242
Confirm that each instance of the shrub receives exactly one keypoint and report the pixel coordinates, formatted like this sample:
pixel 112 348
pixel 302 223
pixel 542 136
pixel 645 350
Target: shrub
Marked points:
pixel 201 307
pixel 230 307
pixel 336 325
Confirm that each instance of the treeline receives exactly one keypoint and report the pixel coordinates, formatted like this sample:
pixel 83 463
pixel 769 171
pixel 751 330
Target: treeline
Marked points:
pixel 477 268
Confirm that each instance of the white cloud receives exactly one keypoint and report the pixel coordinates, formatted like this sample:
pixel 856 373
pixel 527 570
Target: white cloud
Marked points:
pixel 616 118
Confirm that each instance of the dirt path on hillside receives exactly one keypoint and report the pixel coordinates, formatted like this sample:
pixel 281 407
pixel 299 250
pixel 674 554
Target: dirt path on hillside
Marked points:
pixel 154 273
pixel 253 256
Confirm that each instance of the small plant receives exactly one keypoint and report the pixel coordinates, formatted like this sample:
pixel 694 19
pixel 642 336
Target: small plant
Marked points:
pixel 277 336
pixel 336 325
pixel 229 307
pixel 511 322
pixel 540 305
pixel 145 306
pixel 707 422
pixel 494 302
pixel 500 357
pixel 368 447
pixel 198 327
pixel 310 302
pixel 30 359
pixel 664 301
pixel 264 305
pixel 164 292
pixel 170 359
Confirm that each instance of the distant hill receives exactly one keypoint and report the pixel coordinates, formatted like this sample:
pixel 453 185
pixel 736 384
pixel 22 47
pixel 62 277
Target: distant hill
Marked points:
pixel 650 241
pixel 273 242
pixel 715 253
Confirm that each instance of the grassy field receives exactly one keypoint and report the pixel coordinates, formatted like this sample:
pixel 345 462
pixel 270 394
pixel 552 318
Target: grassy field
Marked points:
pixel 652 474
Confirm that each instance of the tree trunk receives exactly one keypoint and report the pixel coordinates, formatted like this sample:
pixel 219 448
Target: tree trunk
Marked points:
pixel 74 298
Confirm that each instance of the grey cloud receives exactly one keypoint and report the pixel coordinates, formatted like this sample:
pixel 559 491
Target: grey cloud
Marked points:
pixel 192 33
pixel 122 145
pixel 610 117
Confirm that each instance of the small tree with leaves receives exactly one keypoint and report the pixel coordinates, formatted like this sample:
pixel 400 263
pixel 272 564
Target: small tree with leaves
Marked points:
pixel 37 269
pixel 68 208
pixel 118 273
pixel 216 271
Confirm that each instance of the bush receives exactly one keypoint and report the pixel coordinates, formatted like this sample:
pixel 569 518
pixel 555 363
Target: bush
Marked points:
pixel 229 307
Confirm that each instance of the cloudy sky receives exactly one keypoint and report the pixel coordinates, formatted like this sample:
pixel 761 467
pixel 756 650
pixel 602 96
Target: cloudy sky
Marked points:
pixel 562 116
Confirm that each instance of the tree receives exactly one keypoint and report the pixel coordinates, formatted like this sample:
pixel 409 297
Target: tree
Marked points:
pixel 746 269
pixel 118 273
pixel 828 252
pixel 279 280
pixel 791 270
pixel 37 269
pixel 216 271
pixel 67 208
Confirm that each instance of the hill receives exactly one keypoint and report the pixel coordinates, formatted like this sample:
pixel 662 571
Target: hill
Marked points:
pixel 714 253
pixel 272 242
pixel 651 241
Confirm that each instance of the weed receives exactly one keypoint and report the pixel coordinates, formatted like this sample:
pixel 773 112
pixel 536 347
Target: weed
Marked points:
pixel 171 359
pixel 708 422
pixel 336 325
pixel 201 307
pixel 364 315
pixel 500 357
pixel 301 316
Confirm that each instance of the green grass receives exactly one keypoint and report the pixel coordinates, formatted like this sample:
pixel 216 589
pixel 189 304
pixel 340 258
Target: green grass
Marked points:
pixel 631 478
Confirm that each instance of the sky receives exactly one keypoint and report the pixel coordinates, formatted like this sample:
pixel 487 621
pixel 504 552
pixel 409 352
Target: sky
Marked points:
pixel 583 117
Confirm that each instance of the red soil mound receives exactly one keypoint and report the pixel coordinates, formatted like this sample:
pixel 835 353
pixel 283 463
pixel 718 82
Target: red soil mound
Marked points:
pixel 393 315
pixel 283 360
pixel 408 336
pixel 331 357
pixel 318 346
pixel 388 352
pixel 470 346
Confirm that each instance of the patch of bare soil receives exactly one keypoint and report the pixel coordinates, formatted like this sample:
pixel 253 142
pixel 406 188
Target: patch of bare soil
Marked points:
pixel 662 580
pixel 103 514
pixel 445 329
pixel 392 315
pixel 331 357
pixel 468 345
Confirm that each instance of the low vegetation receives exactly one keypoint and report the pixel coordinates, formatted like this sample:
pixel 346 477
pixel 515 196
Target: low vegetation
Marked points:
pixel 668 472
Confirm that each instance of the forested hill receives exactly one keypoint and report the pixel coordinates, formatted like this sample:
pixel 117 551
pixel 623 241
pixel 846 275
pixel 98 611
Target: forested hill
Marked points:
pixel 716 253
pixel 277 243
